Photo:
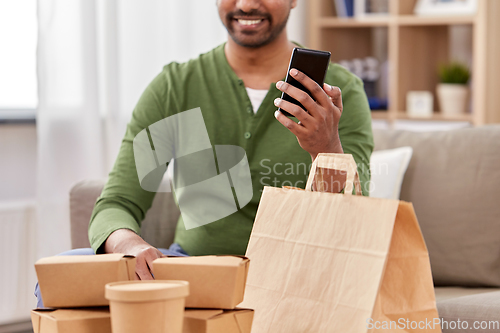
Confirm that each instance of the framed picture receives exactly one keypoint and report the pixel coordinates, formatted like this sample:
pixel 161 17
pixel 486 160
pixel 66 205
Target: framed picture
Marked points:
pixel 446 7
pixel 419 104
pixel 371 8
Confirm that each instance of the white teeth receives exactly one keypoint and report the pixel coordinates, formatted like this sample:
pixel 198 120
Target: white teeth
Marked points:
pixel 249 22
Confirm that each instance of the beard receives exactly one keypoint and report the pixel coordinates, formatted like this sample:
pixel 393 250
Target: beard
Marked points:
pixel 254 39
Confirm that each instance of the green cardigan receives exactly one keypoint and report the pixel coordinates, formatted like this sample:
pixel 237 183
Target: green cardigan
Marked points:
pixel 274 155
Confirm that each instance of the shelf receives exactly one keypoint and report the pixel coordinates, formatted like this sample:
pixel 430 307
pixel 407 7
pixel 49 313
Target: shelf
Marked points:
pixel 409 20
pixel 380 114
pixel 415 46
pixel 435 116
pixel 401 115
pixel 336 22
pixel 402 20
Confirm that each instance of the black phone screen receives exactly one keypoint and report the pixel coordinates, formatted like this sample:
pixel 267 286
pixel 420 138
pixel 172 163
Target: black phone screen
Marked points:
pixel 314 64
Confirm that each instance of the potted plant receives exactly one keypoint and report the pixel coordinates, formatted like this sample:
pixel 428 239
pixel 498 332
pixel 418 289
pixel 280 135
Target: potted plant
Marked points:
pixel 453 92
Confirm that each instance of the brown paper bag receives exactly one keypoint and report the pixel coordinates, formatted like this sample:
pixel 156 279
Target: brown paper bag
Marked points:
pixel 325 262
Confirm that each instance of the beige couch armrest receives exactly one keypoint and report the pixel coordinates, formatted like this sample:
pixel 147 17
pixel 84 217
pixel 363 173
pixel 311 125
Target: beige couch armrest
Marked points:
pixel 82 199
pixel 158 228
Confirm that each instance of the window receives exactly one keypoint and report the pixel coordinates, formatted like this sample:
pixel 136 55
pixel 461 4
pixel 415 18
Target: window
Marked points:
pixel 18 38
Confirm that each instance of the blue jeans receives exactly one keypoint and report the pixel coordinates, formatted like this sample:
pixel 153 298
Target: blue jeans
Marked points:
pixel 175 250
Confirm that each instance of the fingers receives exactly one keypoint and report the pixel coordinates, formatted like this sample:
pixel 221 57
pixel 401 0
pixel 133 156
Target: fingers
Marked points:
pixel 317 130
pixel 142 270
pixel 311 85
pixel 295 128
pixel 144 263
pixel 300 95
pixel 294 110
pixel 323 96
pixel 335 94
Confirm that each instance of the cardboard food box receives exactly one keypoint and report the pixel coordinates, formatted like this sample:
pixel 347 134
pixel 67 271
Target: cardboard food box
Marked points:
pixel 79 281
pixel 95 320
pixel 218 321
pixel 215 282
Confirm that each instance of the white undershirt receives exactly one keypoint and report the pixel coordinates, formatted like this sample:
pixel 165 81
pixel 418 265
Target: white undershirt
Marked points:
pixel 256 97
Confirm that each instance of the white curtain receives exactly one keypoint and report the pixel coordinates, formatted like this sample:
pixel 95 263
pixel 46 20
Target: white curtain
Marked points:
pixel 95 58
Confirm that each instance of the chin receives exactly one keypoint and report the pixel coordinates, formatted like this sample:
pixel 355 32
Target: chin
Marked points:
pixel 252 41
pixel 252 45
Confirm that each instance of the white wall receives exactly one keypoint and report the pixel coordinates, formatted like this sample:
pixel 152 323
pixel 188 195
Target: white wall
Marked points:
pixel 17 217
pixel 297 23
pixel 17 162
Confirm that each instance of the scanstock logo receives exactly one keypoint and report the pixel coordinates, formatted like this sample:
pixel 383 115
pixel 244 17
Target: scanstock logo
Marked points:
pixel 204 176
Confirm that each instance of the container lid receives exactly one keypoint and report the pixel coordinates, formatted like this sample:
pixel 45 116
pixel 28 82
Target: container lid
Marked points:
pixel 146 290
pixel 224 260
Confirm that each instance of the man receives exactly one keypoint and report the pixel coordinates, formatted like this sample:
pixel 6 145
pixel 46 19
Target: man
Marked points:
pixel 228 84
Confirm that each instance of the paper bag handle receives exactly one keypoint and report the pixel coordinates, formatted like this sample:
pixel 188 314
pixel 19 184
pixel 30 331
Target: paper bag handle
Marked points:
pixel 340 162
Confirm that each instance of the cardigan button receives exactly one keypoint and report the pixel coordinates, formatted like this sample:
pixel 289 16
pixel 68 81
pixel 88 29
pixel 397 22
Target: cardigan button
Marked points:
pixel 247 135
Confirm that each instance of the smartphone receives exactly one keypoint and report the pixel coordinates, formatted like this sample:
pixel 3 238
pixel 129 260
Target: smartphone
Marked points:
pixel 313 63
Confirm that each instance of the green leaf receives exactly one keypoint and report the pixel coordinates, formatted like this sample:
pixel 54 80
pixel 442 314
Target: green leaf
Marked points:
pixel 454 73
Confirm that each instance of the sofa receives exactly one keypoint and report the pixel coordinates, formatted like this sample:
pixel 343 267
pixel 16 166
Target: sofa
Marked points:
pixel 453 181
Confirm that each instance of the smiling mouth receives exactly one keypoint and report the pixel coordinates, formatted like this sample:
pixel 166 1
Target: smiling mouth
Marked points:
pixel 249 22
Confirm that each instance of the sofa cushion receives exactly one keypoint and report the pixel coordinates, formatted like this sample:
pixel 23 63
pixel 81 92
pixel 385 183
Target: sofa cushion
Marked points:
pixel 453 181
pixel 82 198
pixel 476 313
pixel 158 227
pixel 387 168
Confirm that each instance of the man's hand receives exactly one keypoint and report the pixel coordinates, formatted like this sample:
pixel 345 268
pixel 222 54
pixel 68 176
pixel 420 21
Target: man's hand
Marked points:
pixel 128 242
pixel 317 130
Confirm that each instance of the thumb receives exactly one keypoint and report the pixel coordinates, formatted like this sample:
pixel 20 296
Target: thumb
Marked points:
pixel 335 94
